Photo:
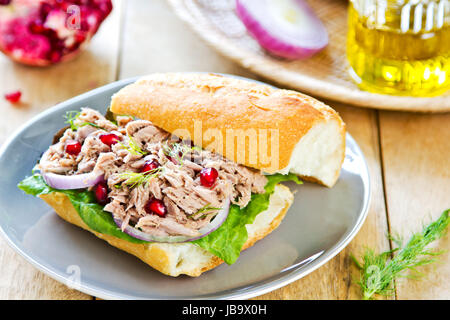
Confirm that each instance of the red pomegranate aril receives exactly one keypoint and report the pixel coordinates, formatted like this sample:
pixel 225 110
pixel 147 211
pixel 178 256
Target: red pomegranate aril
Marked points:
pixel 55 56
pixel 44 10
pixel 208 177
pixel 80 37
pixel 36 27
pixel 4 2
pixel 101 193
pixel 156 206
pixel 109 139
pixel 149 166
pixel 73 147
pixel 13 97
pixel 172 159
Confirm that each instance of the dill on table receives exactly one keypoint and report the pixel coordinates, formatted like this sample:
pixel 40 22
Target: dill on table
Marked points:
pixel 378 271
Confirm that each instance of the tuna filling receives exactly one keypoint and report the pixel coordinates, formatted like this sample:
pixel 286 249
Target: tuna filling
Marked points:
pixel 145 168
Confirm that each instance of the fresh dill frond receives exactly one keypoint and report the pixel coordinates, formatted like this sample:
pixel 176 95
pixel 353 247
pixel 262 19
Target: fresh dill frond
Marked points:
pixel 203 212
pixel 71 116
pixel 89 124
pixel 378 271
pixel 134 179
pixel 178 151
pixel 133 148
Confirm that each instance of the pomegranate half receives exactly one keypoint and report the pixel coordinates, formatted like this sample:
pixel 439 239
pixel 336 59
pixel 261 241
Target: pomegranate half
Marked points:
pixel 45 32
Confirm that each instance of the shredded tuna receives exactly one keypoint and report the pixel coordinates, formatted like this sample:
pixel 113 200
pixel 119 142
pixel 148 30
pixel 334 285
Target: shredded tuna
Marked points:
pixel 176 182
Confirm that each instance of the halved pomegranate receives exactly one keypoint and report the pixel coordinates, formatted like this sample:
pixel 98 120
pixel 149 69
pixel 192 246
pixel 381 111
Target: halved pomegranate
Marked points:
pixel 45 32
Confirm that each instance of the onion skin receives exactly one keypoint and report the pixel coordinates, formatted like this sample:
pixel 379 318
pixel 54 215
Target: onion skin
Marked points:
pixel 213 226
pixel 269 40
pixel 80 181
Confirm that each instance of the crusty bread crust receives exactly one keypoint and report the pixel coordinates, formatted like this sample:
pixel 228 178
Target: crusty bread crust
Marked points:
pixel 175 102
pixel 180 258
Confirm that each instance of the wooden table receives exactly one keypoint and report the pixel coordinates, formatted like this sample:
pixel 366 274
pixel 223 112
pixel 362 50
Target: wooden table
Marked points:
pixel 408 154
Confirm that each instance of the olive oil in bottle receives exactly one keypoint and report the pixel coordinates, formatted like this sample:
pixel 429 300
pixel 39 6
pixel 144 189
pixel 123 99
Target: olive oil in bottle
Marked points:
pixel 400 47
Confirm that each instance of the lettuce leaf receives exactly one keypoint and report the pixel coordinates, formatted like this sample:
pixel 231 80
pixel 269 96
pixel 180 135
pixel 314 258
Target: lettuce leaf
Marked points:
pixel 84 202
pixel 226 242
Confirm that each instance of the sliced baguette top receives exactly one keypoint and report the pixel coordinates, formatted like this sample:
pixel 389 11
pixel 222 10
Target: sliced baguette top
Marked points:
pixel 252 124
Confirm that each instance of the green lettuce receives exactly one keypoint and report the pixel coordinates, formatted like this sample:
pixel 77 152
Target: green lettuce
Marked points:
pixel 84 202
pixel 226 242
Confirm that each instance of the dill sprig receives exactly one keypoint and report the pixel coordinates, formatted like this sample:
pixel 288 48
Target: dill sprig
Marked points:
pixel 378 271
pixel 71 116
pixel 203 212
pixel 132 147
pixel 178 151
pixel 134 179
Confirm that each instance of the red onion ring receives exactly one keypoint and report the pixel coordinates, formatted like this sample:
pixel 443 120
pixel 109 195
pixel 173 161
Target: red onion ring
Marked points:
pixel 218 220
pixel 78 181
pixel 285 28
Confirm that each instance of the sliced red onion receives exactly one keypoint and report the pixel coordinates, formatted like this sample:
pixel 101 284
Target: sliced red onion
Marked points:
pixel 78 181
pixel 218 220
pixel 286 28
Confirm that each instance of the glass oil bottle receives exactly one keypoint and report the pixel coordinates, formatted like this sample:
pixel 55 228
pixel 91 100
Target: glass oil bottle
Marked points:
pixel 400 47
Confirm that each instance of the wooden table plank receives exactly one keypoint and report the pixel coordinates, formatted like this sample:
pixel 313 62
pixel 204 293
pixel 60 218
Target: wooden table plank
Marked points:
pixel 416 161
pixel 334 280
pixel 166 44
pixel 155 40
pixel 43 88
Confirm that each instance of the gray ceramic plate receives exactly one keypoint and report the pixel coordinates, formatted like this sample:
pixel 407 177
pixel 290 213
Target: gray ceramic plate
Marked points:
pixel 320 223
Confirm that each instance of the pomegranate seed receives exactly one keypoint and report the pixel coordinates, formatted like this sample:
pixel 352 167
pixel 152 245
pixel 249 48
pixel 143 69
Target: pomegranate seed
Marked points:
pixel 13 97
pixel 55 56
pixel 106 7
pixel 73 147
pixel 4 2
pixel 109 139
pixel 80 37
pixel 208 177
pixel 36 27
pixel 44 10
pixel 150 165
pixel 156 206
pixel 172 159
pixel 84 26
pixel 101 193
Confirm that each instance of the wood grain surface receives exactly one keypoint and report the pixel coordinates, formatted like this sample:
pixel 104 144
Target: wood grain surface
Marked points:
pixel 43 88
pixel 408 155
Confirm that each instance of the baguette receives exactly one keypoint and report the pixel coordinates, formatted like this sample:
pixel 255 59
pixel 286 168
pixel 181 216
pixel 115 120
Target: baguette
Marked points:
pixel 293 133
pixel 174 259
pixel 301 134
